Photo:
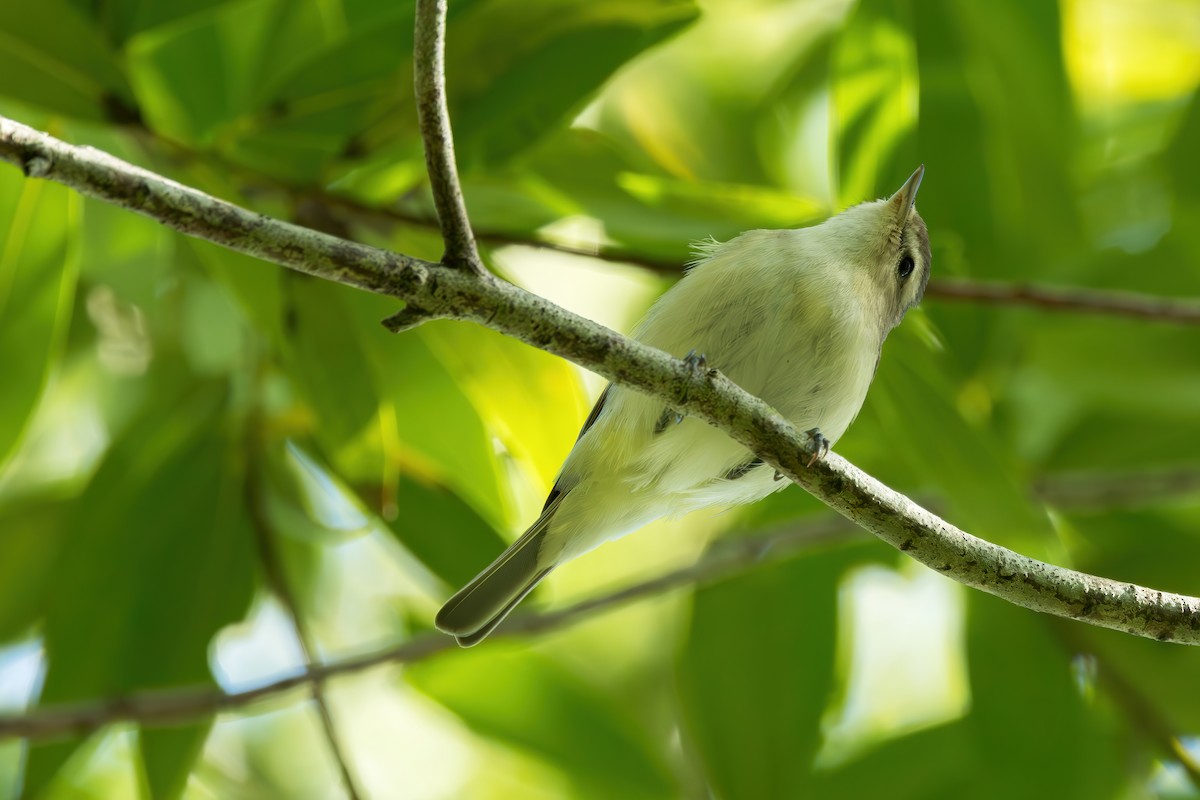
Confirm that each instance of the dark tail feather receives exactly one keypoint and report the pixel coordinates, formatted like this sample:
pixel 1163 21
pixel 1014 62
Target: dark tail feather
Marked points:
pixel 477 608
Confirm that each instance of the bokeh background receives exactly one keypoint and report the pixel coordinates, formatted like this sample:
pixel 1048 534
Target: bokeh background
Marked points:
pixel 183 430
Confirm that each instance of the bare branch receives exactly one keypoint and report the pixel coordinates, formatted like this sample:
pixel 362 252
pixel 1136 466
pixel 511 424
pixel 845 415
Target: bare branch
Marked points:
pixel 709 396
pixel 727 558
pixel 1093 301
pixel 429 72
pixel 1054 299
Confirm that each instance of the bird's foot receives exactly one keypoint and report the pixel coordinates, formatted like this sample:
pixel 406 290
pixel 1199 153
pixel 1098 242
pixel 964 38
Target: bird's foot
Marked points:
pixel 820 445
pixel 699 364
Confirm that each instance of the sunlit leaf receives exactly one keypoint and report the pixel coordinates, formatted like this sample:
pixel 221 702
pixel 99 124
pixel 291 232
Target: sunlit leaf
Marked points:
pixel 532 703
pixel 757 670
pixel 39 228
pixel 169 500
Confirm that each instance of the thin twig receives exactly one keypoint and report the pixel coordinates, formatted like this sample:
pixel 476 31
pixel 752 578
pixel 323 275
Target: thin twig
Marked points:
pixel 709 396
pixel 429 73
pixel 1092 491
pixel 1073 298
pixel 1136 706
pixel 1054 299
pixel 727 558
pixel 277 581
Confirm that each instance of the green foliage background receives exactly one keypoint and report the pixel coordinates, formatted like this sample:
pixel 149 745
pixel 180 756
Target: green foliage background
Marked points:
pixel 166 403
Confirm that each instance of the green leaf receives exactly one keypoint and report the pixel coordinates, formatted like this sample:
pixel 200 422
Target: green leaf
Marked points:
pixel 1029 717
pixel 874 96
pixel 528 701
pixel 913 427
pixel 934 764
pixel 531 400
pixel 168 755
pixel 756 673
pixel 39 226
pixel 31 535
pixel 444 532
pixel 51 57
pixel 566 48
pixel 160 558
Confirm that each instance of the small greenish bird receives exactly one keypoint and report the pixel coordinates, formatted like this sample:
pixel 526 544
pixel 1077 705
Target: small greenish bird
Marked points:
pixel 796 317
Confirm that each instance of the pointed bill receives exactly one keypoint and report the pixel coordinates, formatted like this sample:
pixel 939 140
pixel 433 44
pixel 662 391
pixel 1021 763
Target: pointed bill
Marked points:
pixel 906 195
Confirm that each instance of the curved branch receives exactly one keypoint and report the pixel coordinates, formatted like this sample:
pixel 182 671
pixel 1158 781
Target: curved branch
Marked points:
pixel 429 71
pixel 162 707
pixel 446 292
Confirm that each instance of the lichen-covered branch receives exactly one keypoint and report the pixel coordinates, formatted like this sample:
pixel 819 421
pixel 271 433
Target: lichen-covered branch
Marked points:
pixel 429 74
pixel 441 291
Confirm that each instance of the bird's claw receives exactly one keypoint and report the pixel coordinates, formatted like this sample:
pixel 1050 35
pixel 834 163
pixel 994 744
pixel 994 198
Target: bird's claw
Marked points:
pixel 699 363
pixel 820 446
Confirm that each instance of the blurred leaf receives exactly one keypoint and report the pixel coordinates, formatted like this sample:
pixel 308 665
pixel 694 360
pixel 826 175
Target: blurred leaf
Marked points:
pixel 1152 548
pixel 168 498
pixel 51 57
pixel 255 286
pixel 1029 718
pixel 935 764
pixel 530 399
pixel 913 401
pixel 444 532
pixel 39 230
pixel 756 673
pixel 566 48
pixel 875 100
pixel 995 132
pixel 530 702
pixel 122 19
pixel 168 755
pixel 325 358
pixel 31 533
pixel 381 399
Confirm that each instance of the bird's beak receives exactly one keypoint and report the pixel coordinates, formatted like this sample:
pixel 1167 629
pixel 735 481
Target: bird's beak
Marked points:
pixel 904 198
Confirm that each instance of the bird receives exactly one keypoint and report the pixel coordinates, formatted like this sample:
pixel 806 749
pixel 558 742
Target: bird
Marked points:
pixel 796 317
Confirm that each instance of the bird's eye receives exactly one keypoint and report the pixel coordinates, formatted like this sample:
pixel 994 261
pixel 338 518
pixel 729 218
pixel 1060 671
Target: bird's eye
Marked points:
pixel 905 268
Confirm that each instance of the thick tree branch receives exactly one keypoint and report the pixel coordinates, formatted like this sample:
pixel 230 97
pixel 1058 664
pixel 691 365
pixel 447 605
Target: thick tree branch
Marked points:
pixel 727 558
pixel 445 292
pixel 429 71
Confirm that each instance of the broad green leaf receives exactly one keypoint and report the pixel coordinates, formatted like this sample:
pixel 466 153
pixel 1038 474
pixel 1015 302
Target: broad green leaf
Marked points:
pixel 122 19
pixel 531 400
pixel 995 132
pixel 31 534
pixel 874 96
pixel 528 701
pixel 918 438
pixel 1157 548
pixel 157 559
pixel 255 286
pixel 39 260
pixel 934 764
pixel 449 537
pixel 382 400
pixel 52 58
pixel 168 755
pixel 756 673
pixel 1036 732
pixel 566 48
pixel 325 357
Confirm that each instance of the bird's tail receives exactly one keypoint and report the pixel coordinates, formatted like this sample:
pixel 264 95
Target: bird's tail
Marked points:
pixel 481 605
